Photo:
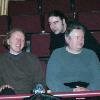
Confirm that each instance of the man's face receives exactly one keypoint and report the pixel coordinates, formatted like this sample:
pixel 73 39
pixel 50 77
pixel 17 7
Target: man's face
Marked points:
pixel 16 42
pixel 56 24
pixel 76 39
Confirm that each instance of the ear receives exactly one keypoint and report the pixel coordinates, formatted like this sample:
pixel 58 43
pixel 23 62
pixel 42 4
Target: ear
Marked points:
pixel 64 23
pixel 8 41
pixel 63 20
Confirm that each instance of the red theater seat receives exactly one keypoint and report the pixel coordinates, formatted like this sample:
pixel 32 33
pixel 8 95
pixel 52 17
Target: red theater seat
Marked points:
pixel 90 20
pixel 22 7
pixel 46 24
pixel 44 65
pixel 87 5
pixel 40 44
pixel 3 24
pixel 40 47
pixel 62 5
pixel 96 35
pixel 29 23
pixel 2 48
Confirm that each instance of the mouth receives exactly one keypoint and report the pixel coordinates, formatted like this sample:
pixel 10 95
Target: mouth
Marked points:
pixel 18 45
pixel 53 30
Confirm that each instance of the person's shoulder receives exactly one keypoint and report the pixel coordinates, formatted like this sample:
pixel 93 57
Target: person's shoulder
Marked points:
pixel 2 55
pixel 29 54
pixel 91 54
pixel 54 34
pixel 89 51
pixel 59 50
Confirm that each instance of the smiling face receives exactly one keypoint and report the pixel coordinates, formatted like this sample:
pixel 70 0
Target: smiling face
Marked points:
pixel 75 39
pixel 16 42
pixel 57 25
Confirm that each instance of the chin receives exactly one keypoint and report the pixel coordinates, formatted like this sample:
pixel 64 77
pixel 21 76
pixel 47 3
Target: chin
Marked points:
pixel 18 51
pixel 79 49
pixel 80 46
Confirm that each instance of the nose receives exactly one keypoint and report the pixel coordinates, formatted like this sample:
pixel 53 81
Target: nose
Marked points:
pixel 53 26
pixel 18 40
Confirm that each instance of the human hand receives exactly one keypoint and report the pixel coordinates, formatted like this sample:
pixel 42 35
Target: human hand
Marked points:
pixel 49 91
pixel 5 86
pixel 79 89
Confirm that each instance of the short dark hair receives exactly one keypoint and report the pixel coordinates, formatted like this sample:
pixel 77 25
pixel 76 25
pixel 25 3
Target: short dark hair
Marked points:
pixel 57 13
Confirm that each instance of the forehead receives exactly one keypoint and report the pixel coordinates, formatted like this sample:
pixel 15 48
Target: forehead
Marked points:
pixel 17 33
pixel 77 32
pixel 54 19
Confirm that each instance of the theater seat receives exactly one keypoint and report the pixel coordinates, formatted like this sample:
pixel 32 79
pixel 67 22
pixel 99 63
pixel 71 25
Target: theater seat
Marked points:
pixel 29 23
pixel 90 20
pixel 28 7
pixel 3 24
pixel 87 5
pixel 2 48
pixel 62 5
pixel 96 35
pixel 40 45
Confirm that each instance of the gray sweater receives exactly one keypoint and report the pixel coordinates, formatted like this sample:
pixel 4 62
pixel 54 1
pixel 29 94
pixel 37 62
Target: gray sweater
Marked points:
pixel 66 67
pixel 22 71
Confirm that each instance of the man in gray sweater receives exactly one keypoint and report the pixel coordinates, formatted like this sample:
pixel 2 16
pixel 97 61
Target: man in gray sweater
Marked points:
pixel 19 70
pixel 73 63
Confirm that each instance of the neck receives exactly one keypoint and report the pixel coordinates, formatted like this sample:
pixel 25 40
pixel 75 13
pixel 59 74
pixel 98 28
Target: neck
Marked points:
pixel 73 51
pixel 15 53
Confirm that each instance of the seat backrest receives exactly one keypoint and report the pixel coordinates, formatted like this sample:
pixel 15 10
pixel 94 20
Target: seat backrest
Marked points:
pixel 90 19
pixel 62 5
pixel 96 35
pixel 87 5
pixel 28 7
pixel 29 23
pixel 3 24
pixel 2 48
pixel 40 45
